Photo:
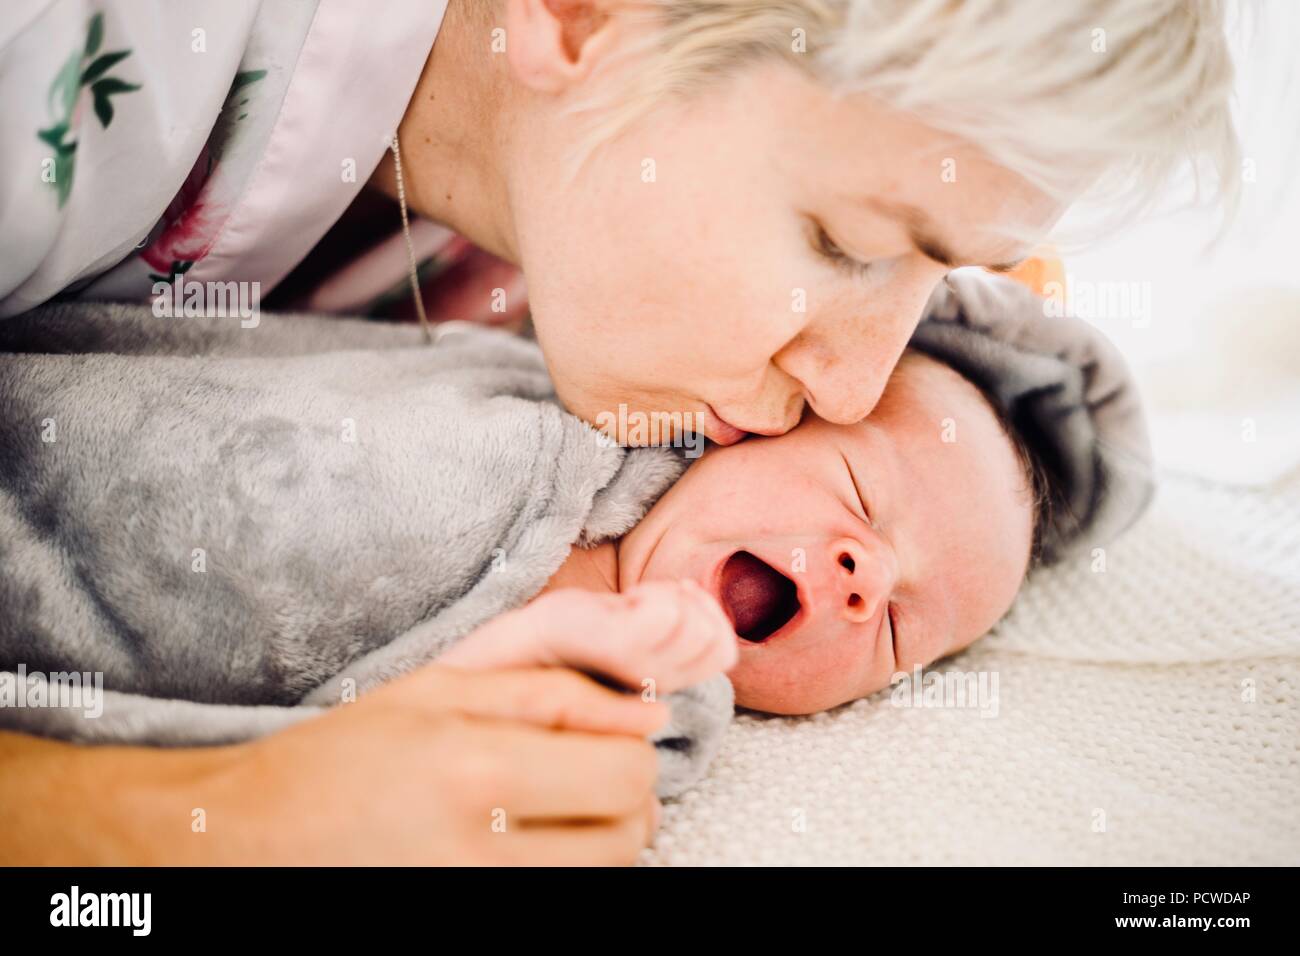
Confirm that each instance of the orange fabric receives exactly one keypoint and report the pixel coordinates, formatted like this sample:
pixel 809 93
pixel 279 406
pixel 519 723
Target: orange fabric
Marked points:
pixel 1037 271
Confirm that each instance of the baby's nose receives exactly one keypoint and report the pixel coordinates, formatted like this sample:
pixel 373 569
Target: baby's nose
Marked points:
pixel 866 573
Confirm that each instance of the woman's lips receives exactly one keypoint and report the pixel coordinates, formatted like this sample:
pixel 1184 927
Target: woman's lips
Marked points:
pixel 721 431
pixel 725 433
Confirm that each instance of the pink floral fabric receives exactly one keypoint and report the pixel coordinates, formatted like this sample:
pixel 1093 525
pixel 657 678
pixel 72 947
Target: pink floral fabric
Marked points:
pixel 223 149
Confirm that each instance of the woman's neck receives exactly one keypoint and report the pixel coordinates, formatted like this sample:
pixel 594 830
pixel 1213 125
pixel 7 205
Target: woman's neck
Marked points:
pixel 450 138
pixel 590 569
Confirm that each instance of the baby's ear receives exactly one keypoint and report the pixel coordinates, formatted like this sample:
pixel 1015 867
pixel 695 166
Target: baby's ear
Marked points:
pixel 1066 391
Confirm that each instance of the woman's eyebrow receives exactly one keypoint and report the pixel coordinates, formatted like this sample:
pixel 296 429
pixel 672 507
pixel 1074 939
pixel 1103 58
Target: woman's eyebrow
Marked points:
pixel 925 236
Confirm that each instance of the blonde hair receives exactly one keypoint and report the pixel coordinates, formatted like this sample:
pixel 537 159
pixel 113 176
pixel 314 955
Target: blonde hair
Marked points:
pixel 1117 93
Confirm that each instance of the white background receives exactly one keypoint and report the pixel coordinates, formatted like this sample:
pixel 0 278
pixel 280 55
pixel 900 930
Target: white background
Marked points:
pixel 1223 342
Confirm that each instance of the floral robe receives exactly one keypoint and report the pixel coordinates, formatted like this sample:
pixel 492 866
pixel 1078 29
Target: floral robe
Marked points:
pixel 140 141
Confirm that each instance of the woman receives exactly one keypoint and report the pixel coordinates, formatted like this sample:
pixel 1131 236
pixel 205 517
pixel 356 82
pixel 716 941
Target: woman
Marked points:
pixel 730 209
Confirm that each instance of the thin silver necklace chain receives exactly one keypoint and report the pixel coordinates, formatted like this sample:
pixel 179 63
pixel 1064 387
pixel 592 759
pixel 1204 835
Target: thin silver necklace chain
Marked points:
pixel 410 245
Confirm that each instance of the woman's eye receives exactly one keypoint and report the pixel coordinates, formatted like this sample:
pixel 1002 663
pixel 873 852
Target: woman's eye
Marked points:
pixel 829 249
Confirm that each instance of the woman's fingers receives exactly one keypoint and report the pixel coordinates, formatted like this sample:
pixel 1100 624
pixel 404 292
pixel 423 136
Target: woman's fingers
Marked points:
pixel 546 697
pixel 603 843
pixel 382 781
pixel 541 764
pixel 509 774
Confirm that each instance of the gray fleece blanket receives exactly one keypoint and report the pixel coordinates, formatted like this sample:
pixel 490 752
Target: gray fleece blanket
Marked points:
pixel 228 523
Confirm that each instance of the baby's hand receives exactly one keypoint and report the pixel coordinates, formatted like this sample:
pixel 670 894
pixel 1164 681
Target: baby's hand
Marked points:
pixel 657 637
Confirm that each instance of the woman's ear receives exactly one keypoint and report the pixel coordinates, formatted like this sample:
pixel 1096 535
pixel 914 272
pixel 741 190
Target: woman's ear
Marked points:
pixel 553 45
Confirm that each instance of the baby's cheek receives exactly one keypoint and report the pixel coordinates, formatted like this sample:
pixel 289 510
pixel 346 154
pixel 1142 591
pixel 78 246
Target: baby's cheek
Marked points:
pixel 941 650
pixel 777 680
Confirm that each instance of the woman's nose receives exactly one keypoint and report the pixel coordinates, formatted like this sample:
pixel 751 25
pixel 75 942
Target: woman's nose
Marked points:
pixel 841 381
pixel 844 358
pixel 865 575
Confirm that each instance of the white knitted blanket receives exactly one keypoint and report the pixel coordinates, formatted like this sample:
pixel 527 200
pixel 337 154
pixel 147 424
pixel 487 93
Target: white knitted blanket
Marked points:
pixel 1146 714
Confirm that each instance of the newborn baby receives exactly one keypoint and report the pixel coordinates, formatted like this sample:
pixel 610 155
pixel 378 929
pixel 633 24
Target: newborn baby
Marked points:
pixel 238 529
pixel 841 554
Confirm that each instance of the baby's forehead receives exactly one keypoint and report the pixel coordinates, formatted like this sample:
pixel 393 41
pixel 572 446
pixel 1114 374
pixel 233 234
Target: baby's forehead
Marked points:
pixel 925 385
pixel 934 418
pixel 955 447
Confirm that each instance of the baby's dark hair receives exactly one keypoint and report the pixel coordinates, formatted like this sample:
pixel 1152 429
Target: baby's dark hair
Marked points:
pixel 1038 482
pixel 1065 399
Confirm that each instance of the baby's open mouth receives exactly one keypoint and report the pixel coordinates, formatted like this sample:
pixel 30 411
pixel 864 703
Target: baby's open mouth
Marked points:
pixel 759 599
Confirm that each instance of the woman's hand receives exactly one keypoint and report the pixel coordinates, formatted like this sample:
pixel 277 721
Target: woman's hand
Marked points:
pixel 540 766
pixel 442 766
